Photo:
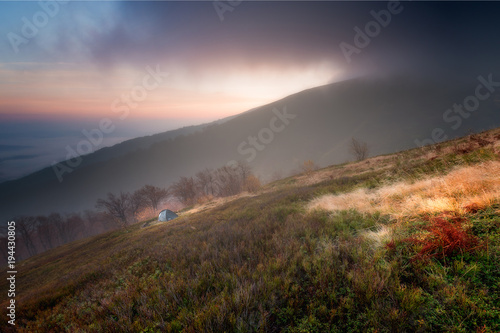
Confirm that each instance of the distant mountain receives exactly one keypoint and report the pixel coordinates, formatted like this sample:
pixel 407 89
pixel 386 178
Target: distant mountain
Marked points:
pixel 389 113
pixel 144 142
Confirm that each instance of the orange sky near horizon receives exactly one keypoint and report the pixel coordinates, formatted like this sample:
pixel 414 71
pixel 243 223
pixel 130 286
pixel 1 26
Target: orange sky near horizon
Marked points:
pixel 81 91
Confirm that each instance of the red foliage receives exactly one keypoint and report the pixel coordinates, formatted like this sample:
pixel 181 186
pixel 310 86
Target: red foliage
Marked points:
pixel 391 245
pixel 473 208
pixel 446 238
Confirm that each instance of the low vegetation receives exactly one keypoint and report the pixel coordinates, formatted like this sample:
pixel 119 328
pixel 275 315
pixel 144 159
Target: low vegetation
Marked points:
pixel 408 242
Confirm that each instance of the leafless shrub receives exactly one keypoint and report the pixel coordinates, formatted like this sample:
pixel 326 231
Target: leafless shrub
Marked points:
pixel 150 195
pixel 225 181
pixel 206 182
pixel 359 149
pixel 185 190
pixel 309 166
pixel 116 206
pixel 251 184
pixel 25 226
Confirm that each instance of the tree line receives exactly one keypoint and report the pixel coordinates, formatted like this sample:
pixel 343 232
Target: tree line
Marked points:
pixel 222 182
pixel 37 234
pixel 209 183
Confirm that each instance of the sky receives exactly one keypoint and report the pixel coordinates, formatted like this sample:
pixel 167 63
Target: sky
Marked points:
pixel 156 66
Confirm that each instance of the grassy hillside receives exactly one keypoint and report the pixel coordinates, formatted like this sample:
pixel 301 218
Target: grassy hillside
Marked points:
pixel 404 242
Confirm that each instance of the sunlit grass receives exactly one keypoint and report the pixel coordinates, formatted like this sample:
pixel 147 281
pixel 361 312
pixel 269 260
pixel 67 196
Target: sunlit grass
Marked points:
pixel 462 190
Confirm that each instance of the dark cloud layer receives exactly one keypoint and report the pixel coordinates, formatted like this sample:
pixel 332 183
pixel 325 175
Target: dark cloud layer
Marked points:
pixel 441 38
pixel 426 37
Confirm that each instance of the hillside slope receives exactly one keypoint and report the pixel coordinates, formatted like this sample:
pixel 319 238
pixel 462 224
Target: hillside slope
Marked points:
pixel 316 124
pixel 275 261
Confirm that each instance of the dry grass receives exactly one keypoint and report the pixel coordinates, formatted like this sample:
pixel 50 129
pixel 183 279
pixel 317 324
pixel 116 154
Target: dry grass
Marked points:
pixel 471 142
pixel 463 190
pixel 216 202
pixel 378 237
pixel 377 163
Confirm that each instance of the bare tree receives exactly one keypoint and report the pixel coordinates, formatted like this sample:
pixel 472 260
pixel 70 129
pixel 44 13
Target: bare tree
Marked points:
pixel 137 202
pixel 25 226
pixel 74 226
pixel 151 195
pixel 206 182
pixel 359 149
pixel 45 232
pixel 97 222
pixel 309 166
pixel 61 226
pixel 224 181
pixel 251 184
pixel 243 170
pixel 116 206
pixel 185 190
pixel 229 181
pixel 92 221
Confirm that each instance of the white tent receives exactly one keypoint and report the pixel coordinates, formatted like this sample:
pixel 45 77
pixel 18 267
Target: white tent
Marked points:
pixel 166 215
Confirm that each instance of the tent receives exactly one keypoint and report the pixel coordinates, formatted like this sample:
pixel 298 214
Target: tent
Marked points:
pixel 166 215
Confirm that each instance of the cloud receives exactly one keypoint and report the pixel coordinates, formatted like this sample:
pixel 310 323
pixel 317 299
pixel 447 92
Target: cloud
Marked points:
pixel 425 37
pixel 18 157
pixel 8 148
pixel 140 33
